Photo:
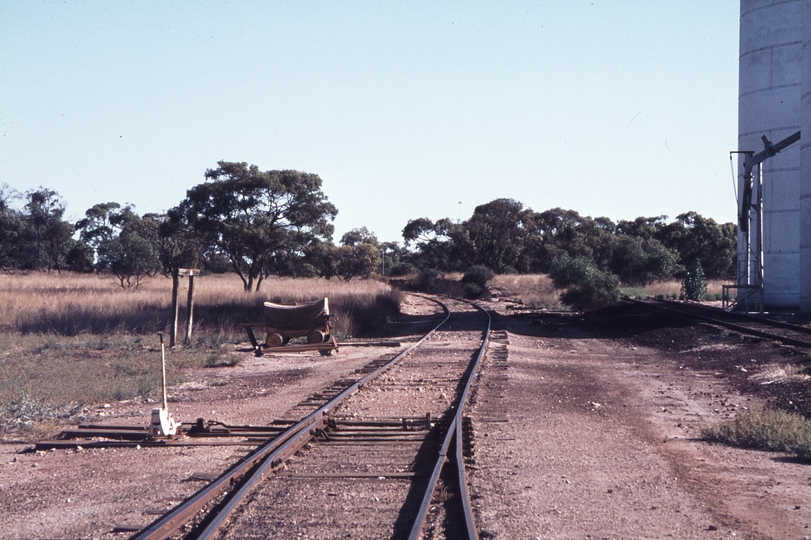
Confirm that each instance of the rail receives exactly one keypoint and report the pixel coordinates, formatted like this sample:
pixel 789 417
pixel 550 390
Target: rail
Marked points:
pixel 248 474
pixel 711 315
pixel 454 435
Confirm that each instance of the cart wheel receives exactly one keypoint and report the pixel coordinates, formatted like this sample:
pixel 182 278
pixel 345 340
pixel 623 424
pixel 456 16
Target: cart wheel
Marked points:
pixel 274 340
pixel 315 336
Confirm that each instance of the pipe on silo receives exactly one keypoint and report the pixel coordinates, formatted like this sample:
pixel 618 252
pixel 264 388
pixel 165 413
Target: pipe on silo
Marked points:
pixel 805 165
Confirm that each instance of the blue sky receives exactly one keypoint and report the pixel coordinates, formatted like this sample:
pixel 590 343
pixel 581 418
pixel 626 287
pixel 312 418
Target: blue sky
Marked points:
pixel 405 109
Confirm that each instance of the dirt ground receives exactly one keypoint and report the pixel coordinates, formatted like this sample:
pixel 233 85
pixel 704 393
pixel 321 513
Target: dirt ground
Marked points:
pixel 588 427
pixel 108 493
pixel 594 433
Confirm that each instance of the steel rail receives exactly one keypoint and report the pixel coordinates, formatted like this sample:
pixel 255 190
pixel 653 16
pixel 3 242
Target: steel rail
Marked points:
pixel 691 312
pixel 737 315
pixel 454 432
pixel 264 459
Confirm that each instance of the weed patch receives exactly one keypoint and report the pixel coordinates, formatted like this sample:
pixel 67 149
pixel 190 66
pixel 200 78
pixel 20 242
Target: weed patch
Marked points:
pixel 21 413
pixel 764 429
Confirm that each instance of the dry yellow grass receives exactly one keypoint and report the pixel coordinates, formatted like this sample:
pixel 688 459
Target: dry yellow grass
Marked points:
pixel 74 340
pixel 79 303
pixel 534 290
pixel 669 288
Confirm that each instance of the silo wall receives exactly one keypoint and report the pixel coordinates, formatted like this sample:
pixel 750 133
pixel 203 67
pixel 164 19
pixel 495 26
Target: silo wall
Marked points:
pixel 769 104
pixel 805 165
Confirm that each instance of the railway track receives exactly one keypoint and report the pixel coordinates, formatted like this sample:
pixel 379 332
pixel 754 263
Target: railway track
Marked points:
pixel 784 332
pixel 380 456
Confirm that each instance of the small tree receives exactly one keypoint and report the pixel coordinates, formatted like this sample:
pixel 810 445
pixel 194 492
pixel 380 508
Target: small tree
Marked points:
pixel 358 255
pixel 694 286
pixel 587 287
pixel 130 257
pixel 359 260
pixel 11 227
pixel 45 238
pixel 475 280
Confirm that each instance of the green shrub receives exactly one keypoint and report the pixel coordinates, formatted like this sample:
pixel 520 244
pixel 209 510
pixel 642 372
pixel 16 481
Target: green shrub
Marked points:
pixel 587 287
pixel 306 270
pixel 427 276
pixel 402 269
pixel 764 429
pixel 478 275
pixel 472 290
pixel 694 286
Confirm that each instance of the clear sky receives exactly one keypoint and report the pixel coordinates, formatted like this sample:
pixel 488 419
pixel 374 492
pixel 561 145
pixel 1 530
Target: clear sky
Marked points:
pixel 619 108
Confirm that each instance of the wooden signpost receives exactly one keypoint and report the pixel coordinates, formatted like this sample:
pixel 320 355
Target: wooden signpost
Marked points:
pixel 176 275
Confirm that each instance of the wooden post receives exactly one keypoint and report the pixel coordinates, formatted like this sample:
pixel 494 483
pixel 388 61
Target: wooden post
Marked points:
pixel 163 373
pixel 176 275
pixel 190 307
pixel 175 306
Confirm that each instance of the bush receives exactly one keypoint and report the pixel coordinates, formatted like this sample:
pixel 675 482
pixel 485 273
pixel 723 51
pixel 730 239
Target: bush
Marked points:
pixel 640 261
pixel 472 290
pixel 306 270
pixel 427 277
pixel 402 269
pixel 566 271
pixel 587 287
pixel 694 286
pixel 764 429
pixel 478 275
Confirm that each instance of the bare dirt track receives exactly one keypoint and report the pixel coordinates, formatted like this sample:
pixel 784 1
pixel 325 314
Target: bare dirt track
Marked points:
pixel 594 434
pixel 588 428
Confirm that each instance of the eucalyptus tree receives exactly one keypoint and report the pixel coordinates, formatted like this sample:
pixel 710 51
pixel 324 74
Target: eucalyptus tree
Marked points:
pixel 440 245
pixel 100 224
pixel 695 237
pixel 257 218
pixel 497 232
pixel 11 226
pixel 358 255
pixel 129 253
pixel 45 238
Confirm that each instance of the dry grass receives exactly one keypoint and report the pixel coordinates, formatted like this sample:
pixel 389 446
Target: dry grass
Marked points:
pixel 72 304
pixel 764 429
pixel 672 289
pixel 533 290
pixel 73 340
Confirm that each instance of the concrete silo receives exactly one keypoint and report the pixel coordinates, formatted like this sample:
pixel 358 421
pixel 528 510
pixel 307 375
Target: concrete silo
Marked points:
pixel 771 58
pixel 805 166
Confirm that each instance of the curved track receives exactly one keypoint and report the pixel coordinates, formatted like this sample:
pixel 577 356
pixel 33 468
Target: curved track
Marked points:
pixel 313 466
pixel 787 333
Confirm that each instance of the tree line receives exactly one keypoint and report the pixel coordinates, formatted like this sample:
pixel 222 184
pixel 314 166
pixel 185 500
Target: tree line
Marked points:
pixel 506 237
pixel 261 223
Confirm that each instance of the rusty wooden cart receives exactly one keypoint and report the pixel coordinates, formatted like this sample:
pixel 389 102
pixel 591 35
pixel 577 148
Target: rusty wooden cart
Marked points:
pixel 284 322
